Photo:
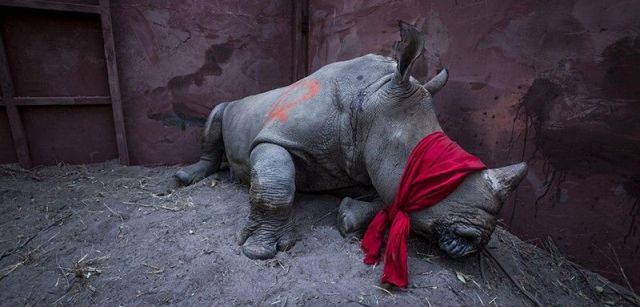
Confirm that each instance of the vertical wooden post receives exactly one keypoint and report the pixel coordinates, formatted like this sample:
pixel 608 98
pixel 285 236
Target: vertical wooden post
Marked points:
pixel 15 121
pixel 300 39
pixel 114 83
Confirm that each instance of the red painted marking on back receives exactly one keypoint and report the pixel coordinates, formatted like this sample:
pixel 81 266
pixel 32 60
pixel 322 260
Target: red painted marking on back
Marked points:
pixel 292 97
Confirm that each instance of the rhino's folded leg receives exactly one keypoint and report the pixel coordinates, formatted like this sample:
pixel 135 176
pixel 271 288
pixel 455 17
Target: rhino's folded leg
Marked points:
pixel 212 149
pixel 354 216
pixel 272 191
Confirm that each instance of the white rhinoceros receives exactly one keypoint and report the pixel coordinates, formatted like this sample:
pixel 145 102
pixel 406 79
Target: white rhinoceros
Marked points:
pixel 347 128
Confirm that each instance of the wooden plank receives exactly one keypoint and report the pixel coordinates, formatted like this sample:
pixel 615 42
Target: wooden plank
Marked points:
pixel 60 101
pixel 52 6
pixel 296 38
pixel 114 83
pixel 306 29
pixel 15 121
pixel 300 36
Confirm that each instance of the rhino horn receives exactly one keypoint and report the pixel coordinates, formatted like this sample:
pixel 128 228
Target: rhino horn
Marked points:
pixel 434 85
pixel 407 50
pixel 505 180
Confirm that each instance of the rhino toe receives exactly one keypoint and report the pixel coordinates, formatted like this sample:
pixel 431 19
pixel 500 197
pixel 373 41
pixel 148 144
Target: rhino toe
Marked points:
pixel 261 247
pixel 286 242
pixel 259 250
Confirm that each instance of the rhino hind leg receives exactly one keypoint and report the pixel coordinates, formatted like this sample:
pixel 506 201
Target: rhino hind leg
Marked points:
pixel 354 216
pixel 212 149
pixel 269 228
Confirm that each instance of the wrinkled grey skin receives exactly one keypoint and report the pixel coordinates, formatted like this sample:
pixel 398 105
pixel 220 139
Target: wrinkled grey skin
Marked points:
pixel 355 134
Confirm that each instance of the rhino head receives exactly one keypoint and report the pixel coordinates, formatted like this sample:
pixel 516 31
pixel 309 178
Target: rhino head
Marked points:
pixel 465 220
pixel 399 114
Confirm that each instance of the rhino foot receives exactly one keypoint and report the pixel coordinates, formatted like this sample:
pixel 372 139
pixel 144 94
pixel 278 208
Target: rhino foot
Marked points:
pixel 266 233
pixel 195 172
pixel 354 216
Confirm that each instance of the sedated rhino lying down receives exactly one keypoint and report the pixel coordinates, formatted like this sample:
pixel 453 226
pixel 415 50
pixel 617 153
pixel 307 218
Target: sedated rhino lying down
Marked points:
pixel 347 128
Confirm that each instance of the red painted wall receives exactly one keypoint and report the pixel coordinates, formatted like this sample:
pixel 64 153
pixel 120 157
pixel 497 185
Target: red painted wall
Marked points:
pixel 57 54
pixel 554 83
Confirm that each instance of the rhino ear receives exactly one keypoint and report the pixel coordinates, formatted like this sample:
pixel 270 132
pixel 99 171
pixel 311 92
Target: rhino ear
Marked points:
pixel 438 82
pixel 407 50
pixel 506 179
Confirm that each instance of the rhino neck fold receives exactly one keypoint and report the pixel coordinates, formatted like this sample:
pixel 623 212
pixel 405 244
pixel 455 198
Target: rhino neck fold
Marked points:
pixel 354 132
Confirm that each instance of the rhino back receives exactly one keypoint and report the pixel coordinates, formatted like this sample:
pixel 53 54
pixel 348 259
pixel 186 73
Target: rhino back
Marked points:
pixel 310 118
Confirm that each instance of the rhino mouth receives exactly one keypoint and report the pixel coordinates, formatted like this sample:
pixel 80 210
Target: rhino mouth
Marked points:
pixel 459 240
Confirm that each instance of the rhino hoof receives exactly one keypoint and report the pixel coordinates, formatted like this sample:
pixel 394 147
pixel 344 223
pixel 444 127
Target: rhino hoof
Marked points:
pixel 195 172
pixel 349 223
pixel 258 250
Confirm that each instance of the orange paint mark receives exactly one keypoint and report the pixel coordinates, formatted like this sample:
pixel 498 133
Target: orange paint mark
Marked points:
pixel 292 97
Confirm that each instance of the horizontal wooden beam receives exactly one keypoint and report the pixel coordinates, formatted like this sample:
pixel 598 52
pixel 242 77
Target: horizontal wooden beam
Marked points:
pixel 61 101
pixel 53 6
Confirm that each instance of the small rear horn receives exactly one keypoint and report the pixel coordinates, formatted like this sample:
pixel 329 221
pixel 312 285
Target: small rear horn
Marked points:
pixel 437 83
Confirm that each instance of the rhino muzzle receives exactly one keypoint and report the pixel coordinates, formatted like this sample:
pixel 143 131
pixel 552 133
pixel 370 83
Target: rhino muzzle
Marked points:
pixel 464 221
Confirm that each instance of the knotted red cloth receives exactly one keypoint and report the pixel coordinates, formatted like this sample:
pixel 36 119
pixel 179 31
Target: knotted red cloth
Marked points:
pixel 436 167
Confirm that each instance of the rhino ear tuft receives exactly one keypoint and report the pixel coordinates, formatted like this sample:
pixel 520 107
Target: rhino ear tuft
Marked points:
pixel 506 179
pixel 407 50
pixel 434 85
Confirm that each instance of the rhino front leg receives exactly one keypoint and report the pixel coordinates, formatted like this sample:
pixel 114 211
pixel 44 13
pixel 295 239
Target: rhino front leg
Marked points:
pixel 272 191
pixel 354 216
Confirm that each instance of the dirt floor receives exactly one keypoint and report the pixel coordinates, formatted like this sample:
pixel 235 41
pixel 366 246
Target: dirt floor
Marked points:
pixel 112 235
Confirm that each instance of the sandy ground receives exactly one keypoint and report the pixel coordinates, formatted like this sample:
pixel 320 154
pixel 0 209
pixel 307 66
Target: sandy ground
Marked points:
pixel 111 235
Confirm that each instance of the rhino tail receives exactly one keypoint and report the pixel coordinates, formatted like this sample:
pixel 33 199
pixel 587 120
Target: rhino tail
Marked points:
pixel 211 150
pixel 212 145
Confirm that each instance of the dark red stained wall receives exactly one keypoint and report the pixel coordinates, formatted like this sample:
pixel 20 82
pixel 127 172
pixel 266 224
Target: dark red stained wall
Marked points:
pixel 555 83
pixel 178 59
pixel 54 54
pixel 70 134
pixel 7 152
pixel 57 54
